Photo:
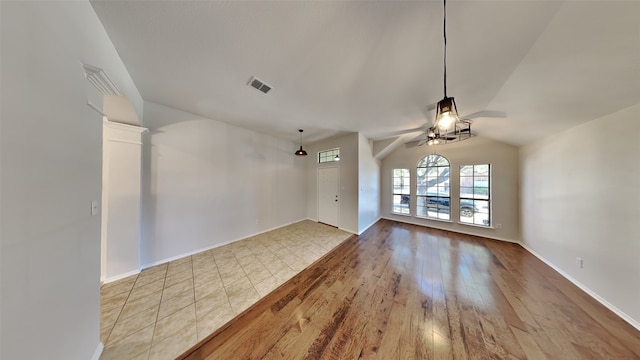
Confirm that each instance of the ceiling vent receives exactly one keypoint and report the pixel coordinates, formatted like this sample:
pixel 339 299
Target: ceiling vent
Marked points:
pixel 259 84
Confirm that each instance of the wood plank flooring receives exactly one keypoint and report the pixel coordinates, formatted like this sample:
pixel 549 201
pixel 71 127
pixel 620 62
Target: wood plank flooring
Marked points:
pixel 402 291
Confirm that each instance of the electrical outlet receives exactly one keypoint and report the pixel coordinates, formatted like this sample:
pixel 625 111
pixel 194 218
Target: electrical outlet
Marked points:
pixel 579 262
pixel 498 226
pixel 94 208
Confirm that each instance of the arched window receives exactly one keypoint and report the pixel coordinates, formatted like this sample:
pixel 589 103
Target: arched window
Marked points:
pixel 432 188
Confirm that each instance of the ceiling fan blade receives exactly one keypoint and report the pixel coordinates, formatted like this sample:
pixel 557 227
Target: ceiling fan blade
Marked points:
pixel 417 138
pixel 422 142
pixel 411 144
pixel 486 114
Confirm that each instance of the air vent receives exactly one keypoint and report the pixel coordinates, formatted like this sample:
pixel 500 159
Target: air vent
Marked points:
pixel 259 84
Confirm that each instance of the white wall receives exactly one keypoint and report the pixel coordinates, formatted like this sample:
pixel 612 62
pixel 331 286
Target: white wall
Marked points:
pixel 348 165
pixel 477 150
pixel 210 183
pixel 50 152
pixel 580 197
pixel 368 185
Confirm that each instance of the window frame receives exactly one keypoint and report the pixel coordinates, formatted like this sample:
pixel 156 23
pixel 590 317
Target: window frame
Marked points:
pixel 405 191
pixel 441 201
pixel 328 155
pixel 483 197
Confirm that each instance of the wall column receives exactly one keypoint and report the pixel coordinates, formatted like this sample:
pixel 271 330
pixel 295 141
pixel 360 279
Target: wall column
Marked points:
pixel 121 200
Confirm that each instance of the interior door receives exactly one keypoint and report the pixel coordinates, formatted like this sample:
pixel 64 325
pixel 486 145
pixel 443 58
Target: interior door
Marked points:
pixel 328 195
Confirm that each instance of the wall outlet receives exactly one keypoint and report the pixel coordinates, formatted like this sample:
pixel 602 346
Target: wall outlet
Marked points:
pixel 579 262
pixel 94 208
pixel 498 226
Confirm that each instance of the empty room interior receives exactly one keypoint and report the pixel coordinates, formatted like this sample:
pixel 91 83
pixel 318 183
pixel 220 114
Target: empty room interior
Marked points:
pixel 320 180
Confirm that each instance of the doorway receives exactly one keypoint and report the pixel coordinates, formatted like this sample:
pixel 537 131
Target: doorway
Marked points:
pixel 328 195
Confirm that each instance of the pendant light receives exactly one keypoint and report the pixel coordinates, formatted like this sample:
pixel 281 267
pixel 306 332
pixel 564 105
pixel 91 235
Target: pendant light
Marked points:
pixel 446 110
pixel 300 152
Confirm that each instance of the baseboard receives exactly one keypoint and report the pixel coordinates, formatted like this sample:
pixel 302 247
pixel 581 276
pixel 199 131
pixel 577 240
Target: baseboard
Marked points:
pixel 584 288
pixel 348 230
pixel 98 352
pixel 120 276
pixel 452 230
pixel 368 226
pixel 163 261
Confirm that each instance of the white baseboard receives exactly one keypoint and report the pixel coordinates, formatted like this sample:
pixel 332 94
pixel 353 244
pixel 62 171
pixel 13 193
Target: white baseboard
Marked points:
pixel 452 230
pixel 98 352
pixel 368 226
pixel 166 260
pixel 584 288
pixel 120 276
pixel 348 230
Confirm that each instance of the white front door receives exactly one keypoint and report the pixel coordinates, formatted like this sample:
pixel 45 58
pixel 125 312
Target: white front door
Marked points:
pixel 328 195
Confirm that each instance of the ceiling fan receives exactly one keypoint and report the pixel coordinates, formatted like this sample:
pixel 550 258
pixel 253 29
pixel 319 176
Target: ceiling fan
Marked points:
pixel 432 135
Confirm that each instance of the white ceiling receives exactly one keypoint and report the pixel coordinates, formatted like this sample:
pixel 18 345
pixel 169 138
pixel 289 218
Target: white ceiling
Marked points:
pixel 373 66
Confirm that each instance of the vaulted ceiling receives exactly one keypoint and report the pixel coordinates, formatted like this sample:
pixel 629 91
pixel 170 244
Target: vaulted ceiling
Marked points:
pixel 374 66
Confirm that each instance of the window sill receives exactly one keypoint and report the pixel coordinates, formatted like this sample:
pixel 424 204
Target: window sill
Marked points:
pixel 394 213
pixel 476 225
pixel 434 219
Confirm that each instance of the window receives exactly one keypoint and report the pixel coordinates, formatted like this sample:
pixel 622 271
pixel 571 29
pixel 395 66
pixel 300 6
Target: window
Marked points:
pixel 401 191
pixel 329 155
pixel 432 185
pixel 475 198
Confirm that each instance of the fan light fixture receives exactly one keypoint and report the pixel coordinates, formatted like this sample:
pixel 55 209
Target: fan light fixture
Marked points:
pixel 300 152
pixel 446 110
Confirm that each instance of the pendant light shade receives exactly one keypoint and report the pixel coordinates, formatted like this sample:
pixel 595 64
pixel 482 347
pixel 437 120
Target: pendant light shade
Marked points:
pixel 300 152
pixel 446 113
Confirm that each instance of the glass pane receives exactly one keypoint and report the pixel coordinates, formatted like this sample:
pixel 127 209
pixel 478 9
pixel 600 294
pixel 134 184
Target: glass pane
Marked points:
pixel 481 169
pixel 482 206
pixel 466 192
pixel 401 204
pixel 442 161
pixel 466 170
pixel 466 181
pixel 467 209
pixel 481 180
pixel 481 193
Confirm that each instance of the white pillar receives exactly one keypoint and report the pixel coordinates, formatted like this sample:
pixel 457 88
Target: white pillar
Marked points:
pixel 121 200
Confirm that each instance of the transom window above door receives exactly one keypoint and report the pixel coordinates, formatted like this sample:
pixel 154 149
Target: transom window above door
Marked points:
pixel 330 155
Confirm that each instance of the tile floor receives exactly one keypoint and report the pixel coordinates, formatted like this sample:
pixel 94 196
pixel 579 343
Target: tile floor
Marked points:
pixel 166 309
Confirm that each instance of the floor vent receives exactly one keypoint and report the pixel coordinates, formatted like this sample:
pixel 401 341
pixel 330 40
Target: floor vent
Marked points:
pixel 259 84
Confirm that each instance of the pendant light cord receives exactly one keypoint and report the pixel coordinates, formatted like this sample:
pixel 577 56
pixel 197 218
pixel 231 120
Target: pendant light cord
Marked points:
pixel 444 33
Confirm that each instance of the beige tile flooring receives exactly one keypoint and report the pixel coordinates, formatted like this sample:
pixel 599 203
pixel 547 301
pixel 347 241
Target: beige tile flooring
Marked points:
pixel 166 309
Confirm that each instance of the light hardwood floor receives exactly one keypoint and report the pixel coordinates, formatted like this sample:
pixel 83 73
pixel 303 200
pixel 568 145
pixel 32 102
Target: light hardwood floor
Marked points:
pixel 401 291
